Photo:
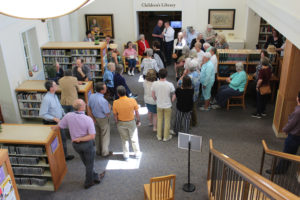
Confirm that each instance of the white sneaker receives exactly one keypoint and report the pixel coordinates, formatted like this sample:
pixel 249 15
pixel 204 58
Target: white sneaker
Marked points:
pixel 204 109
pixel 172 132
pixel 132 73
pixel 167 139
pixel 216 107
pixel 129 72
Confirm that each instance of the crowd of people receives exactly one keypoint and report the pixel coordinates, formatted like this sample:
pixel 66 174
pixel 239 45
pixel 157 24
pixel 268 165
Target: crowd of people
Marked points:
pixel 195 65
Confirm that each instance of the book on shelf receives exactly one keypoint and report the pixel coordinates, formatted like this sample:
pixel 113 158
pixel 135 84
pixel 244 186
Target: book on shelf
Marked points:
pixel 51 60
pixel 31 96
pixel 54 53
pixel 84 52
pixel 86 59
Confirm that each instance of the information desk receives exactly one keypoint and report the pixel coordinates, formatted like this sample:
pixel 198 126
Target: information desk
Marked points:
pixel 30 94
pixel 36 155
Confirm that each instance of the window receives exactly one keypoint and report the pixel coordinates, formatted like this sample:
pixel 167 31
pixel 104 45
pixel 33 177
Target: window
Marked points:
pixel 26 51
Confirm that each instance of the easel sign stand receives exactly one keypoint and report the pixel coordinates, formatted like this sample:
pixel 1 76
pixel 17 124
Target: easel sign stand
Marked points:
pixel 189 142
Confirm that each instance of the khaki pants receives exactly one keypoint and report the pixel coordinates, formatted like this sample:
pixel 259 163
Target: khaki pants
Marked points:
pixel 163 113
pixel 102 136
pixel 128 131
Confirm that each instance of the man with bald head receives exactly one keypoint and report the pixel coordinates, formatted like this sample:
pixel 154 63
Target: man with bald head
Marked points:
pixel 82 131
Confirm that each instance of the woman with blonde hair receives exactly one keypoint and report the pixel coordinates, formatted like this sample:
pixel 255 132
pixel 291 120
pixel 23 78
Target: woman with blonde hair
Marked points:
pixel 221 42
pixel 149 101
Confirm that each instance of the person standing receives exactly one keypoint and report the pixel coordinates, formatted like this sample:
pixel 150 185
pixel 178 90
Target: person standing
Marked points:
pixel 81 72
pixel 161 93
pixel 207 79
pixel 157 32
pixel 52 112
pixel 210 35
pixel 292 142
pixel 69 91
pixel 184 96
pixel 82 131
pixel 124 110
pixel 89 37
pixel 149 63
pixel 108 79
pixel 99 111
pixel 168 34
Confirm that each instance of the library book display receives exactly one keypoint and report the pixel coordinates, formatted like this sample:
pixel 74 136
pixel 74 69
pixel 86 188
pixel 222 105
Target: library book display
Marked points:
pixel 31 92
pixel 36 155
pixel 66 54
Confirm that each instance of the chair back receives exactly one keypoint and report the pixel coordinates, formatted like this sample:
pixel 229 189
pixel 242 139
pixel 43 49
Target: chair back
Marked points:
pixel 246 85
pixel 162 188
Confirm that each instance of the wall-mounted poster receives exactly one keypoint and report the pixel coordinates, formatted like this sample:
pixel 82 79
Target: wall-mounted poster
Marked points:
pixel 100 24
pixel 222 19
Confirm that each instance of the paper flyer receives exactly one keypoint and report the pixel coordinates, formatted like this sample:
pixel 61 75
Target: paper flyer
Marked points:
pixel 7 188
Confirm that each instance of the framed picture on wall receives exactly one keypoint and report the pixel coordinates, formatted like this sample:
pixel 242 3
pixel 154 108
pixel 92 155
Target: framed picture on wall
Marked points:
pixel 221 19
pixel 102 24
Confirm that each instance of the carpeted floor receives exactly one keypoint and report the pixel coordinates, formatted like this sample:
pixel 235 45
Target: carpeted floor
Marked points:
pixel 234 133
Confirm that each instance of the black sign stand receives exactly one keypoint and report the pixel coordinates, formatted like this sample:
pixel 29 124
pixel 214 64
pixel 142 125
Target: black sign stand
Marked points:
pixel 189 187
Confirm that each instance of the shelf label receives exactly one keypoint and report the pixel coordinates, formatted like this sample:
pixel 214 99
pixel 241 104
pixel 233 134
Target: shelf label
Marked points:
pixel 54 144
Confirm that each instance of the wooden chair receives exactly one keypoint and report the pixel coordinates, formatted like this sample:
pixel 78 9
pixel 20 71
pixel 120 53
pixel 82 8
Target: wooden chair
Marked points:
pixel 138 62
pixel 240 99
pixel 160 188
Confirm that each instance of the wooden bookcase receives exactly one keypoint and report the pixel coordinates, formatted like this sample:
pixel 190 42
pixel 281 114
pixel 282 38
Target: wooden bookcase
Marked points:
pixel 36 155
pixel 265 30
pixel 66 54
pixel 31 92
pixel 7 174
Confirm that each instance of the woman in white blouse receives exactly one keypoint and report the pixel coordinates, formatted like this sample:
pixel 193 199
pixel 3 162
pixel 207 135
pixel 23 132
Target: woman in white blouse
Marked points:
pixel 179 43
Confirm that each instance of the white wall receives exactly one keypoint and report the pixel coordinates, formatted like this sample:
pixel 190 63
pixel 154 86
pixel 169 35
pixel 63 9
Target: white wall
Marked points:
pixel 194 12
pixel 14 59
pixel 282 15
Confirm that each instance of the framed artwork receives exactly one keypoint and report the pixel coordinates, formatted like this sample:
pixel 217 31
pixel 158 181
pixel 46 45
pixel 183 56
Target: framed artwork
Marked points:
pixel 103 24
pixel 221 19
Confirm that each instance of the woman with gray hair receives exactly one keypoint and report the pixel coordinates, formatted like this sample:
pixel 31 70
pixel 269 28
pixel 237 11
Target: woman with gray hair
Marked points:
pixel 200 39
pixel 179 64
pixel 142 45
pixel 149 63
pixel 236 86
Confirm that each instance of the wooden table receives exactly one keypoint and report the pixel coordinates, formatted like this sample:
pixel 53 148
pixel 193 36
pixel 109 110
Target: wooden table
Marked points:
pixel 32 135
pixel 38 86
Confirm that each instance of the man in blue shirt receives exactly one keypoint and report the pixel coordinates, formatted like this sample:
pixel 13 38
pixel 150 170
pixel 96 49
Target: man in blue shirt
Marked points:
pixel 99 111
pixel 52 112
pixel 157 32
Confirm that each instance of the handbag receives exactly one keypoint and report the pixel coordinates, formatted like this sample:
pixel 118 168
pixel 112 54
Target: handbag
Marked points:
pixel 265 89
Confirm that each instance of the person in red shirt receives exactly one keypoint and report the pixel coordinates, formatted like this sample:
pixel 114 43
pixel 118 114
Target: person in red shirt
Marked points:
pixel 143 45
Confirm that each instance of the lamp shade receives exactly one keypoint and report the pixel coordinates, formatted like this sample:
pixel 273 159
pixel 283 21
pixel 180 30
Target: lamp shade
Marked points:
pixel 39 9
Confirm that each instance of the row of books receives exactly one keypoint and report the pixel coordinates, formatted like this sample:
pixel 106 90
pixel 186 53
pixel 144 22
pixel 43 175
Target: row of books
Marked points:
pixel 55 59
pixel 31 113
pixel 96 74
pixel 31 181
pixel 266 29
pixel 23 105
pixel 24 150
pixel 24 160
pixel 254 58
pixel 31 96
pixel 225 57
pixel 84 52
pixel 93 66
pixel 262 37
pixel 54 53
pixel 85 59
pixel 28 170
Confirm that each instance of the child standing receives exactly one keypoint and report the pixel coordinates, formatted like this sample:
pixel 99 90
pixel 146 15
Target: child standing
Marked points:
pixel 184 95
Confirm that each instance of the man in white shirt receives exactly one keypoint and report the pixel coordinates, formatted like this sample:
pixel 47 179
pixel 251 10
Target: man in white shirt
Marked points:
pixel 168 34
pixel 161 93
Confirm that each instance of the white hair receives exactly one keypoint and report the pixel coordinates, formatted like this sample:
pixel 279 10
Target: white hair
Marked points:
pixel 239 66
pixel 141 35
pixel 206 45
pixel 193 54
pixel 149 52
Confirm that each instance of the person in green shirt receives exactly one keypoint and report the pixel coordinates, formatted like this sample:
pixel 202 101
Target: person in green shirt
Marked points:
pixel 237 82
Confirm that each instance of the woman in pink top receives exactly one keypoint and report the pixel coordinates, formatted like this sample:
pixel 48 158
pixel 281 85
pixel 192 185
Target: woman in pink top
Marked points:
pixel 130 57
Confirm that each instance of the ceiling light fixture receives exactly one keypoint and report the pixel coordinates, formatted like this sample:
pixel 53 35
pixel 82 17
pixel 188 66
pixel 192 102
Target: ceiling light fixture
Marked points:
pixel 39 9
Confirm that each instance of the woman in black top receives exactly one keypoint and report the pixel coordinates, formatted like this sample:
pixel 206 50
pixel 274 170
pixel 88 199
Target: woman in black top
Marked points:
pixel 198 39
pixel 184 95
pixel 275 39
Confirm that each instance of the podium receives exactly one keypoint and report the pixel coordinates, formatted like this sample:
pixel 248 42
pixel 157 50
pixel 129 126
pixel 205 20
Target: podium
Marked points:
pixel 189 142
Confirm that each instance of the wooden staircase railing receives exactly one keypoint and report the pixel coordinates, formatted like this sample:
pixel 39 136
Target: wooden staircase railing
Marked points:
pixel 230 180
pixel 284 168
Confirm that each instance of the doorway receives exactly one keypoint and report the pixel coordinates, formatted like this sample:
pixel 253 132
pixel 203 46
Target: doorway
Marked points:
pixel 148 20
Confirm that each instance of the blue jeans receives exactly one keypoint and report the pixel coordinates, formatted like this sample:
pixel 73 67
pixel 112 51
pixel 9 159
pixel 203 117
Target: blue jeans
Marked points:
pixel 291 145
pixel 131 63
pixel 224 93
pixel 86 151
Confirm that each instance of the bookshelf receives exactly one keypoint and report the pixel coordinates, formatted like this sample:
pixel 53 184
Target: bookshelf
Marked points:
pixel 265 30
pixel 31 92
pixel 7 178
pixel 66 53
pixel 36 155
